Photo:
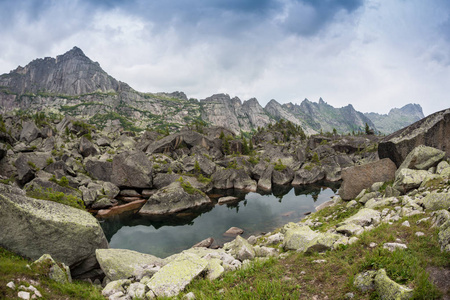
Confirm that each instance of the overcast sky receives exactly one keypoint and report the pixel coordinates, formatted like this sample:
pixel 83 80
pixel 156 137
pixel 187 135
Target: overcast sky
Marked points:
pixel 374 54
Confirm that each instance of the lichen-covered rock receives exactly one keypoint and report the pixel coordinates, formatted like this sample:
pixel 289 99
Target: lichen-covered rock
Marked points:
pixel 365 281
pixel 444 236
pixel 323 242
pixel 137 290
pixel 297 238
pixel 176 275
pixel 364 217
pixel 30 132
pixel 350 229
pixel 408 179
pixel 389 289
pixel 440 217
pixel 362 177
pixel 116 286
pixel 69 235
pixel 422 158
pixel 367 197
pixel 125 264
pixel 380 202
pixel 240 249
pixel 436 201
pixel 174 198
pixel 132 169
pixel 55 272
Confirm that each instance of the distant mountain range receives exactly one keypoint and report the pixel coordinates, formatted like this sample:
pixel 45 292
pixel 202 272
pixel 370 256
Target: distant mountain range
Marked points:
pixel 72 84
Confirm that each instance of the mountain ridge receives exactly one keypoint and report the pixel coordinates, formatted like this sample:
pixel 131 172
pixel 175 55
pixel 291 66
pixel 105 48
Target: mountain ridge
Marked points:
pixel 73 84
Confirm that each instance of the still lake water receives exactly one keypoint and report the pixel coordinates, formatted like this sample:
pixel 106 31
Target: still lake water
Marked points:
pixel 255 213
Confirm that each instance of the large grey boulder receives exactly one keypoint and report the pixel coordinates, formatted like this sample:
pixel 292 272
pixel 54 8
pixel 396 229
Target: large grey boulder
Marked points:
pixel 283 177
pixel 308 175
pixel 86 147
pixel 99 169
pixel 172 142
pixel 357 178
pixel 29 132
pixel 207 167
pixel 233 178
pixel 28 164
pixel 422 158
pixel 265 182
pixel 173 198
pixel 125 264
pixel 132 169
pixel 33 227
pixel 431 131
pixel 176 275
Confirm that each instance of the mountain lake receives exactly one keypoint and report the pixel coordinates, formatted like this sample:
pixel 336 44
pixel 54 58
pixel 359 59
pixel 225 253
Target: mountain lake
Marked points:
pixel 255 213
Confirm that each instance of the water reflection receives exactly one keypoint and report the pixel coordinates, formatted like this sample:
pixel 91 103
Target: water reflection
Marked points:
pixel 254 212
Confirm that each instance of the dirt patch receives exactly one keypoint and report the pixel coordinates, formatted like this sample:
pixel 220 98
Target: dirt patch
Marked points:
pixel 441 278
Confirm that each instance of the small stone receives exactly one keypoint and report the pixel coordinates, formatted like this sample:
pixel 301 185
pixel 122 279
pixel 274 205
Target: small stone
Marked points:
pixel 302 273
pixel 11 285
pixel 319 261
pixel 373 245
pixel 353 240
pixel 406 223
pixel 422 220
pixel 24 295
pixel 189 296
pixel 349 296
pixel 419 233
pixel 252 240
pixel 392 246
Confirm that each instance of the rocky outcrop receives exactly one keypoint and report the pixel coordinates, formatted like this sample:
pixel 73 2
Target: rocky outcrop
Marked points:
pixel 35 227
pixel 233 178
pixel 431 131
pixel 355 179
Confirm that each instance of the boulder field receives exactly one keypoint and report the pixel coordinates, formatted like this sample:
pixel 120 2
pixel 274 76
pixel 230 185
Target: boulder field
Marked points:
pixel 107 170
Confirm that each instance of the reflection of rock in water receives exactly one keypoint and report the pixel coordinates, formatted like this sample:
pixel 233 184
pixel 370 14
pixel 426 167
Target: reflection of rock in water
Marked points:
pixel 112 225
pixel 315 188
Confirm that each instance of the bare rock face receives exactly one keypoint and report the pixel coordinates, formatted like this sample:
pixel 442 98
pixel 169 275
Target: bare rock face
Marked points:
pixel 355 179
pixel 72 73
pixel 431 131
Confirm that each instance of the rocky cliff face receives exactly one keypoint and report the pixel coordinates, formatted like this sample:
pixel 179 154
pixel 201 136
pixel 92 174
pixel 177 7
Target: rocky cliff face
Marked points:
pixel 397 118
pixel 72 84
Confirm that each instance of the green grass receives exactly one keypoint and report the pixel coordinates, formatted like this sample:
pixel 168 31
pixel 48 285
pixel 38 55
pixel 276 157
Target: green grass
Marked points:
pixel 298 277
pixel 14 268
pixel 60 197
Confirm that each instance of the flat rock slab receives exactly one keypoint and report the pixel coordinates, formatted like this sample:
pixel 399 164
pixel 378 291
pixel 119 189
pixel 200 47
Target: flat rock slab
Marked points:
pixel 176 275
pixel 233 231
pixel 363 217
pixel 228 199
pixel 119 209
pixel 355 179
pixel 124 264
